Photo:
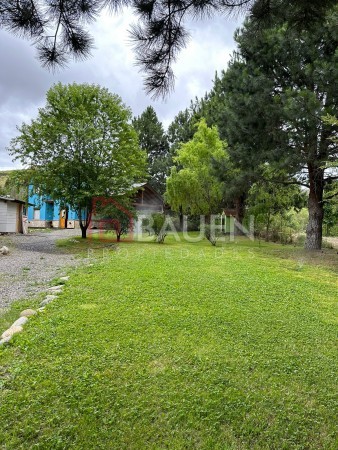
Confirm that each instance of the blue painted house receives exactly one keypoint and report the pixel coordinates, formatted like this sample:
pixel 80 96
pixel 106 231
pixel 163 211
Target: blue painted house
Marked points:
pixel 45 212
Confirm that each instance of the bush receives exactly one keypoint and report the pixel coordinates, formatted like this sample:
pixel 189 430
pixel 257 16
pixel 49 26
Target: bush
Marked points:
pixel 326 244
pixel 212 234
pixel 284 228
pixel 300 240
pixel 145 225
pixel 159 227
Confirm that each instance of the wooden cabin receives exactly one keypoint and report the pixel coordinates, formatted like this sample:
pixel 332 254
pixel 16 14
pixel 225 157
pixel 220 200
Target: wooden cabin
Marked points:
pixel 147 201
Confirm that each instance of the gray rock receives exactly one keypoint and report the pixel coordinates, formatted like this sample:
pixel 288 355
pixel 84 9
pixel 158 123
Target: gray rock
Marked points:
pixel 64 278
pixel 45 302
pixel 5 340
pixel 56 288
pixel 54 292
pixel 27 313
pixel 20 322
pixel 11 331
pixel 48 299
pixel 4 250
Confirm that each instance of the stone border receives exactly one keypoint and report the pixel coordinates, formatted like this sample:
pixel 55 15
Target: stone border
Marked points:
pixel 17 326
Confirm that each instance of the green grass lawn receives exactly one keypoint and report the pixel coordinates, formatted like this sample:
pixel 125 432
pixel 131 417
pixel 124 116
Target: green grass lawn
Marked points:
pixel 178 346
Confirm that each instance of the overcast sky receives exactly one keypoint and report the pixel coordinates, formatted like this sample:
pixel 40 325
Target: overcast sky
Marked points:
pixel 23 83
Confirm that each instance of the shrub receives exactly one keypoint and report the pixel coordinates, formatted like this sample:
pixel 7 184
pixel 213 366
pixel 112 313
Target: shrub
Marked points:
pixel 327 244
pixel 159 227
pixel 145 225
pixel 212 234
pixel 300 240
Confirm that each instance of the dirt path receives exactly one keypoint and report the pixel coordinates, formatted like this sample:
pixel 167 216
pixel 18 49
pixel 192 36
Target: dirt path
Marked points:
pixel 34 260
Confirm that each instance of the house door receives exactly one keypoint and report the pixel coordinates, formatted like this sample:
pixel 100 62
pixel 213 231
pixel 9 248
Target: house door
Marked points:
pixel 63 218
pixel 19 218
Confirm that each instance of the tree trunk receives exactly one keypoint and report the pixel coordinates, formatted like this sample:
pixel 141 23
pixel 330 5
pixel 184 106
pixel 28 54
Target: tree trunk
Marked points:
pixel 84 222
pixel 239 212
pixel 83 231
pixel 267 231
pixel 314 230
pixel 181 218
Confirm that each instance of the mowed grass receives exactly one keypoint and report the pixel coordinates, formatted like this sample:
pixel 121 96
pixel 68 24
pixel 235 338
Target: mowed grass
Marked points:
pixel 178 346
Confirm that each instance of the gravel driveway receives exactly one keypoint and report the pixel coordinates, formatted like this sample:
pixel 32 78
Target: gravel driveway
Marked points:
pixel 34 260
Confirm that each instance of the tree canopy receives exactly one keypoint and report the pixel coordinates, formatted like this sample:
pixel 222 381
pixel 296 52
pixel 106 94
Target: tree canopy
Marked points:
pixel 153 140
pixel 58 28
pixel 80 146
pixel 271 101
pixel 268 200
pixel 194 189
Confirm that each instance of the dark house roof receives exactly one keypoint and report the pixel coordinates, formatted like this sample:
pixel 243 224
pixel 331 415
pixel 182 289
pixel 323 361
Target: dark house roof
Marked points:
pixel 147 198
pixel 10 199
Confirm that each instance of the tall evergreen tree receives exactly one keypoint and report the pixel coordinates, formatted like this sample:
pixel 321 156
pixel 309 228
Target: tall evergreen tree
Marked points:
pixel 236 179
pixel 181 130
pixel 154 141
pixel 184 125
pixel 279 86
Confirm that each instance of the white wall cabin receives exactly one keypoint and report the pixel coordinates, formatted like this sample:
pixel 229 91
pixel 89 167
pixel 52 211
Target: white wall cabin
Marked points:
pixel 11 215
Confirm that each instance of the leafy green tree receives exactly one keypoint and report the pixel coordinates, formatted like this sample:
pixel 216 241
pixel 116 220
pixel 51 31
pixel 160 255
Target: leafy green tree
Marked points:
pixel 268 199
pixel 154 141
pixel 236 179
pixel 181 130
pixel 331 188
pixel 80 146
pixel 331 208
pixel 194 188
pixel 116 214
pixel 282 81
pixel 10 184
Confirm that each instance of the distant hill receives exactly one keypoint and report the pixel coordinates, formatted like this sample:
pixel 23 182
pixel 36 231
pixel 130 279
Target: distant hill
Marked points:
pixel 4 177
pixel 7 187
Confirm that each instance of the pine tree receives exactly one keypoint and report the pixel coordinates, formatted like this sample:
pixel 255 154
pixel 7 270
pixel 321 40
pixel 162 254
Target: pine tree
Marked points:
pixel 58 28
pixel 279 85
pixel 154 141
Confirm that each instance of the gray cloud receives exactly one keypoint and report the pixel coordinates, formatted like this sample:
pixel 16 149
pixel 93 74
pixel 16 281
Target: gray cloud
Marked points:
pixel 23 82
